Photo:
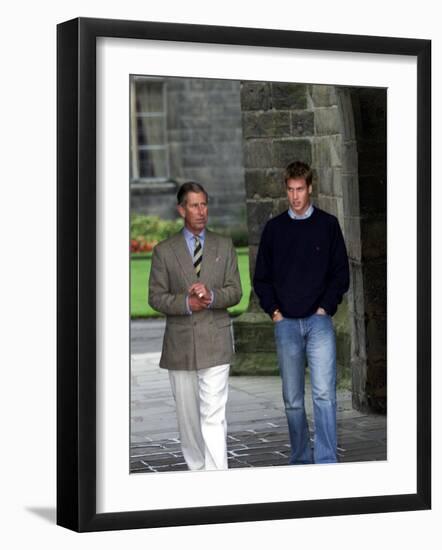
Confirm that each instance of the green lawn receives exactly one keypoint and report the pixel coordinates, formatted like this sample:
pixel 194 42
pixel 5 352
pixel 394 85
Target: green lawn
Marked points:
pixel 139 276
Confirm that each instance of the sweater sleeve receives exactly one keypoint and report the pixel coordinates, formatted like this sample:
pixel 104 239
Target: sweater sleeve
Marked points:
pixel 263 278
pixel 338 276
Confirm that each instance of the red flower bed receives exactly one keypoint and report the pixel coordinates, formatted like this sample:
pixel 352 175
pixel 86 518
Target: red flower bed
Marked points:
pixel 141 245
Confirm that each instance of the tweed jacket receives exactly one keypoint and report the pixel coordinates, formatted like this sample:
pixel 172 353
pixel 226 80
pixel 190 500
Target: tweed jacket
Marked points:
pixel 204 338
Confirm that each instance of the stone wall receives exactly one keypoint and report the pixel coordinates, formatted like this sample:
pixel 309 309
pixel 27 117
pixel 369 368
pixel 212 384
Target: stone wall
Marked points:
pixel 283 122
pixel 370 383
pixel 205 145
pixel 341 133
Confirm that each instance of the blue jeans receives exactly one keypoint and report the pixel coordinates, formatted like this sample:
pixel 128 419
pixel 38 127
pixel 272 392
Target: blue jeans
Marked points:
pixel 312 339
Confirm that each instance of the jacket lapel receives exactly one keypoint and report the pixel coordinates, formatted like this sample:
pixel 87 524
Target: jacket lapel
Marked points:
pixel 181 251
pixel 210 250
pixel 209 257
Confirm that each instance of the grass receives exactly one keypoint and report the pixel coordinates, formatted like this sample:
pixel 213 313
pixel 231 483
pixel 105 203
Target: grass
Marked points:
pixel 139 277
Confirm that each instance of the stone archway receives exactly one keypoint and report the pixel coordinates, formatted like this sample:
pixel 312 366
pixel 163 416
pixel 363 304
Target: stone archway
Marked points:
pixel 365 207
pixel 341 133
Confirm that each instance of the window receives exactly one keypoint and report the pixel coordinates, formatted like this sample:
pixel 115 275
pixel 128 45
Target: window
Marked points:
pixel 149 151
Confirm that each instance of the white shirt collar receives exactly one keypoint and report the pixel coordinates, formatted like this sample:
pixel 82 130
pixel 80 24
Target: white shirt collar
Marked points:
pixel 306 214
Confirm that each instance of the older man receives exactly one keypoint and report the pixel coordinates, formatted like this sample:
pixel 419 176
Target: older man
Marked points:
pixel 194 279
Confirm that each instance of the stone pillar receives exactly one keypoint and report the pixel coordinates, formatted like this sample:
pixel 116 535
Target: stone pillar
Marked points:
pixel 369 106
pixel 341 133
pixel 283 122
pixel 331 158
pixel 277 128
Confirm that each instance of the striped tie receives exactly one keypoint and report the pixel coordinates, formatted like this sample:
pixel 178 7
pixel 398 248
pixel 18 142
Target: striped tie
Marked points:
pixel 197 255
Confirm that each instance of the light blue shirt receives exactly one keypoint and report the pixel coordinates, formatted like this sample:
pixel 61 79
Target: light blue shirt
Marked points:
pixel 304 216
pixel 190 241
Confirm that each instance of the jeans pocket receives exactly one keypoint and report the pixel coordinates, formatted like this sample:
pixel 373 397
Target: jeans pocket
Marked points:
pixel 277 324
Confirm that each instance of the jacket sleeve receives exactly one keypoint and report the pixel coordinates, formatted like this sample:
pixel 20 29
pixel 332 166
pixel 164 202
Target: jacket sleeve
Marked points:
pixel 231 292
pixel 263 278
pixel 338 276
pixel 160 296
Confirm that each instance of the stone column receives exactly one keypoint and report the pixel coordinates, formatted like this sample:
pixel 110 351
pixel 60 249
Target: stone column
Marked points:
pixel 370 384
pixel 283 122
pixel 277 128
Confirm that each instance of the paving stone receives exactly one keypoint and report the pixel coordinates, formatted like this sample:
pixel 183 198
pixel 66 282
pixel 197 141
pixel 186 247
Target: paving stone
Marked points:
pixel 172 446
pixel 138 440
pixel 235 464
pixel 160 434
pixel 360 457
pixel 150 449
pixel 179 467
pixel 267 459
pixel 137 466
pixel 257 425
pixel 236 447
pixel 356 445
pixel 259 446
pixel 275 437
pixel 155 457
pixel 250 449
pixel 170 460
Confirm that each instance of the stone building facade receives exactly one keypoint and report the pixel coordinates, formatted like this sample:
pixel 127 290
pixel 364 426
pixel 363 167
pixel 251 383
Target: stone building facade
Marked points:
pixel 187 129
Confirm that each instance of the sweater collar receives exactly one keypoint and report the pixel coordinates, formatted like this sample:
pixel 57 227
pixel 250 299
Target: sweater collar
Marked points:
pixel 304 216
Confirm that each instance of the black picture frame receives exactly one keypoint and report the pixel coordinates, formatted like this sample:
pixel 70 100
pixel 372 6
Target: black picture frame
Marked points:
pixel 76 273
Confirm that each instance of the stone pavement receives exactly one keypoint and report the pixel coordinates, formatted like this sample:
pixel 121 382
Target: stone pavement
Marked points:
pixel 257 428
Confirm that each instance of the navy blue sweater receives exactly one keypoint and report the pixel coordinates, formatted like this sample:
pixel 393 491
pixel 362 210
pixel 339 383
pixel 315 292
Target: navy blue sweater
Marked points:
pixel 301 265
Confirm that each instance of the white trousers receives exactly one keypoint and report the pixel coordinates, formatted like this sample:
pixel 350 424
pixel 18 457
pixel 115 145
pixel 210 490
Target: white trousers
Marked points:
pixel 200 398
